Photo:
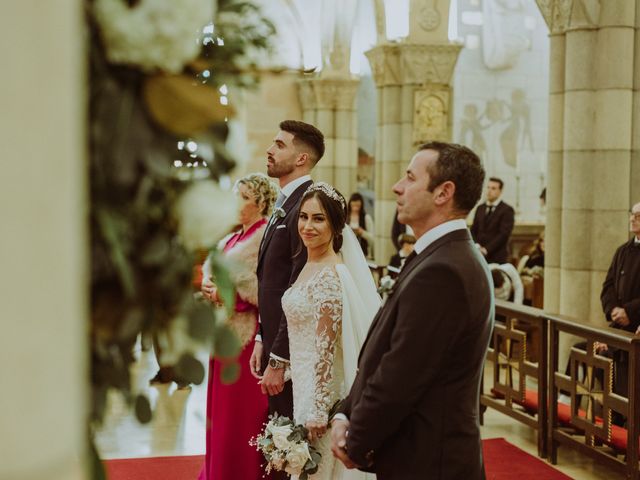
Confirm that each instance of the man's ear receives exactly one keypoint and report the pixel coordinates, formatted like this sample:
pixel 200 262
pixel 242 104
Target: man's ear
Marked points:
pixel 303 159
pixel 445 192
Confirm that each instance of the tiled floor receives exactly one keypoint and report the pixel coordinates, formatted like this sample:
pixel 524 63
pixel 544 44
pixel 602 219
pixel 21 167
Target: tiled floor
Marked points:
pixel 179 423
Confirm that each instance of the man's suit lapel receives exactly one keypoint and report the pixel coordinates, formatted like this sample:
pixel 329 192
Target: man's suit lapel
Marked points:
pixel 452 236
pixel 288 205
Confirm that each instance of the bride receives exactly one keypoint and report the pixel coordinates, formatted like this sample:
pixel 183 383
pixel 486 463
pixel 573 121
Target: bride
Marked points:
pixel 329 309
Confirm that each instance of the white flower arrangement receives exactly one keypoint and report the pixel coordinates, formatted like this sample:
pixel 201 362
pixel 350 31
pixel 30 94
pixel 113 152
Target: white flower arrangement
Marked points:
pixel 154 34
pixel 285 447
pixel 205 213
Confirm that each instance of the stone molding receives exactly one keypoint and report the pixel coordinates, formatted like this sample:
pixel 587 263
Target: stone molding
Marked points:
pixel 557 14
pixel 328 93
pixel 417 64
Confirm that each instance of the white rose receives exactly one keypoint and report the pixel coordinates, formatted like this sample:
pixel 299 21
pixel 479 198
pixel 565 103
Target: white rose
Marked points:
pixel 277 462
pixel 296 458
pixel 280 435
pixel 205 213
pixel 155 34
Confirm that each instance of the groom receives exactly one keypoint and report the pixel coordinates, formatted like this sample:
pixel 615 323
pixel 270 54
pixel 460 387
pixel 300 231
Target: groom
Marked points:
pixel 412 412
pixel 294 152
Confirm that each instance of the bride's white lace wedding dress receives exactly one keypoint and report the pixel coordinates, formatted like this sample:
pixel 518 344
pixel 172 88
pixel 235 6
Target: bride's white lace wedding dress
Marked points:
pixel 316 308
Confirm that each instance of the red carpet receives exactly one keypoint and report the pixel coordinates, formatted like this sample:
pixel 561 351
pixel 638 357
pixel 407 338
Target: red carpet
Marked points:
pixel 502 461
pixel 155 468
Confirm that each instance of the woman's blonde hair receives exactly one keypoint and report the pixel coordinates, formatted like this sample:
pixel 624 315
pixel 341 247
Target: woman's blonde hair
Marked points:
pixel 262 188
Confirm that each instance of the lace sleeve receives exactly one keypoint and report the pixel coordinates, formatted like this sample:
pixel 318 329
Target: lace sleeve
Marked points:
pixel 327 307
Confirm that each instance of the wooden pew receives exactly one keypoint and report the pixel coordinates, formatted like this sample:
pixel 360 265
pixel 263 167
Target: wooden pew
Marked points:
pixel 589 428
pixel 519 383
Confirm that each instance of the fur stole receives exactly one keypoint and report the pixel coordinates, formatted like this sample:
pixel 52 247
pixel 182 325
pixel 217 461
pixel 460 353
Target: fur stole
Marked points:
pixel 244 257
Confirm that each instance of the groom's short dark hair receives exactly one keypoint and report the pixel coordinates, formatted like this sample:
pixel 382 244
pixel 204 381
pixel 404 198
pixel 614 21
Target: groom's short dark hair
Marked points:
pixel 460 165
pixel 307 135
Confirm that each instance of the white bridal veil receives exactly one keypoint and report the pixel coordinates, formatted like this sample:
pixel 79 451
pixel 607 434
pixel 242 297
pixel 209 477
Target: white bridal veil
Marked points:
pixel 360 302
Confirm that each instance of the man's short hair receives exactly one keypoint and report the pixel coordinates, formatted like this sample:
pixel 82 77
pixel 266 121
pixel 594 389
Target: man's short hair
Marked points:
pixel 460 165
pixel 497 180
pixel 307 135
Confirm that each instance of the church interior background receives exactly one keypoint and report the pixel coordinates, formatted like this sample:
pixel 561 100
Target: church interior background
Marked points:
pixel 545 91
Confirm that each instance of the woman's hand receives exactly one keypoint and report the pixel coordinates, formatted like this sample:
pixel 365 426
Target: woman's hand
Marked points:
pixel 316 430
pixel 210 292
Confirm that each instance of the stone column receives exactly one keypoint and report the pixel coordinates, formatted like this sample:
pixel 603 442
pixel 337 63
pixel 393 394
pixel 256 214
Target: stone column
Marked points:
pixel 329 104
pixel 414 106
pixel 592 53
pixel 43 255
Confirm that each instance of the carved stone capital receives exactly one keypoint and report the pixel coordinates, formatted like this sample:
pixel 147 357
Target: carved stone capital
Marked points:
pixel 410 63
pixel 328 93
pixel 557 14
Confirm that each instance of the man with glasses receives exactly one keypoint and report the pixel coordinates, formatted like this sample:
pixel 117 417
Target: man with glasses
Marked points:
pixel 621 290
pixel 620 299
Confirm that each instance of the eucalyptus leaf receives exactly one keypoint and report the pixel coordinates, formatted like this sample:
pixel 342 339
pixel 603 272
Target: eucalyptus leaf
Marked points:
pixel 226 343
pixel 230 373
pixel 156 252
pixel 226 288
pixel 143 409
pixel 189 369
pixel 201 321
pixel 120 262
pixel 131 324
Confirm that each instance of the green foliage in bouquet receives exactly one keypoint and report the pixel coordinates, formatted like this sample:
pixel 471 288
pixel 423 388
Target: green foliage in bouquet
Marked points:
pixel 156 139
pixel 285 447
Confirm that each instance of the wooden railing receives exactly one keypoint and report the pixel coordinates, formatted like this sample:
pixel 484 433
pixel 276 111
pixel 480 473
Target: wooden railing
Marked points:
pixel 518 354
pixel 588 425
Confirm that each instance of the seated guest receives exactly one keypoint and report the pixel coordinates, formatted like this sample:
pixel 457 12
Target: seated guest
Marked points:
pixel 507 284
pixel 536 253
pixel 407 243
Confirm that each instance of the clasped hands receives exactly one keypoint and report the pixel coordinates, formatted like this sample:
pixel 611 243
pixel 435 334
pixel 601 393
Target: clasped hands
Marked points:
pixel 339 432
pixel 619 317
pixel 272 381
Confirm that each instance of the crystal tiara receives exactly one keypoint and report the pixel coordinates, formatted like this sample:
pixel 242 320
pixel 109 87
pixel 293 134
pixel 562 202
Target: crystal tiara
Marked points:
pixel 328 190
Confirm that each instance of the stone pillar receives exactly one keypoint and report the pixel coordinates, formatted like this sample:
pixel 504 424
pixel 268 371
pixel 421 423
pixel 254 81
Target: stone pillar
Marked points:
pixel 591 121
pixel 414 106
pixel 329 104
pixel 43 255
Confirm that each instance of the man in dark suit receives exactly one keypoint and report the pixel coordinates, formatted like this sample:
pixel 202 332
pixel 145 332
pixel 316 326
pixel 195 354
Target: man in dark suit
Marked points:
pixel 493 224
pixel 296 149
pixel 412 412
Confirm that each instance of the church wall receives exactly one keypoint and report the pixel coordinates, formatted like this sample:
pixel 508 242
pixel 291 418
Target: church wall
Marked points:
pixel 501 97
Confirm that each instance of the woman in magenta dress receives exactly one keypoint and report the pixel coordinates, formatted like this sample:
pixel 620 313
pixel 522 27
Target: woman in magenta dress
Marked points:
pixel 237 412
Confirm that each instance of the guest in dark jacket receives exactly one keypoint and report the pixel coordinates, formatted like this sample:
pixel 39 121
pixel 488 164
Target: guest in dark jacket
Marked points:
pixel 493 224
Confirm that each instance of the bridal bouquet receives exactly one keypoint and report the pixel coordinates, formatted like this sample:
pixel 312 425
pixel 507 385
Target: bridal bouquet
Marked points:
pixel 285 447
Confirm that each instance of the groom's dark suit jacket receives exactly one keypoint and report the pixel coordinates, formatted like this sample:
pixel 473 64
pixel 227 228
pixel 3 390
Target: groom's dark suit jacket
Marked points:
pixel 280 260
pixel 413 407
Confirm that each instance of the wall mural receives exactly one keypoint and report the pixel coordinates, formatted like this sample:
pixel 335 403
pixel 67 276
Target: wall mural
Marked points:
pixel 501 96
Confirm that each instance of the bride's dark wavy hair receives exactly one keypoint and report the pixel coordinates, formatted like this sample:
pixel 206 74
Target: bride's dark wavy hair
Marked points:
pixel 335 212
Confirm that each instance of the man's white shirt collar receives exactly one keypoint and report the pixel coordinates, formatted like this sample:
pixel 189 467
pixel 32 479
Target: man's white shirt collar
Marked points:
pixel 437 232
pixel 291 187
pixel 494 204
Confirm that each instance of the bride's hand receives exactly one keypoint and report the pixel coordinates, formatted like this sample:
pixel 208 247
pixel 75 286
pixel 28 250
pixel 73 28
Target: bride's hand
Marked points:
pixel 316 430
